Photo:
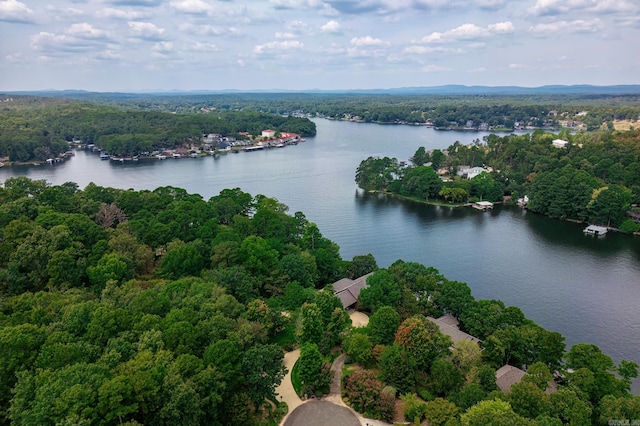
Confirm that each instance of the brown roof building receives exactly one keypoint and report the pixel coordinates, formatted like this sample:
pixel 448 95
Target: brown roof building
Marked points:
pixel 448 325
pixel 348 290
pixel 508 375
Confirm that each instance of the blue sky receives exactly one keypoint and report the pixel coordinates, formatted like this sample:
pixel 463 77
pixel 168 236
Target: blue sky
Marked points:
pixel 133 45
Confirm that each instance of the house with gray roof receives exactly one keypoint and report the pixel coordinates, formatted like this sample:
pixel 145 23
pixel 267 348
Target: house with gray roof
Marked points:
pixel 348 290
pixel 507 376
pixel 448 324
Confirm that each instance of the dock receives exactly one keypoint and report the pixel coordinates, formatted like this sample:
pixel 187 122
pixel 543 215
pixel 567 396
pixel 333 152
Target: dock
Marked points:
pixel 595 230
pixel 482 205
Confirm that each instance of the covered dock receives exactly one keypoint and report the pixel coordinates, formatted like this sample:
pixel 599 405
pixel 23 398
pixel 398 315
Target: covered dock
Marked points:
pixel 482 205
pixel 595 230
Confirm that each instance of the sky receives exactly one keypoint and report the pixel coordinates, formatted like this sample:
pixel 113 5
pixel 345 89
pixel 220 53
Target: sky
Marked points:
pixel 148 45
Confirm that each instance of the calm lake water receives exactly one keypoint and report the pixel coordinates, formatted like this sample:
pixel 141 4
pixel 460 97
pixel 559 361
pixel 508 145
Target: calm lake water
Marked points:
pixel 585 288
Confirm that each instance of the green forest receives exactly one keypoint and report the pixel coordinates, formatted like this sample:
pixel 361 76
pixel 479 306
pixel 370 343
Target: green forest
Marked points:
pixel 453 110
pixel 37 129
pixel 162 308
pixel 594 178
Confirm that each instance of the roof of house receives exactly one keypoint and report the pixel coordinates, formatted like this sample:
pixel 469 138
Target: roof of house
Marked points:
pixel 508 375
pixel 448 325
pixel 348 290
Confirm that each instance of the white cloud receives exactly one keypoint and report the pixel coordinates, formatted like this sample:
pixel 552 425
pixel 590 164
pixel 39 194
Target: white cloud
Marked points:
pixel 191 6
pixel 274 46
pixel 204 47
pixel 145 30
pixel 280 35
pixel 125 15
pixel 77 38
pixel 367 47
pixel 162 47
pixel 490 4
pixel 433 68
pixel 15 58
pixel 331 27
pixel 85 30
pixel 424 50
pixel 108 55
pixel 358 52
pixel 136 3
pixel 501 28
pixel 469 32
pixel 297 26
pixel 559 7
pixel 558 27
pixel 323 7
pixel 208 30
pixel 367 41
pixel 477 70
pixel 64 13
pixel 15 11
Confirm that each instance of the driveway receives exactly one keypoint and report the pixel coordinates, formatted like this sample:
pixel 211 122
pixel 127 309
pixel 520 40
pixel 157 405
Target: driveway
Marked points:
pixel 359 319
pixel 322 413
pixel 285 391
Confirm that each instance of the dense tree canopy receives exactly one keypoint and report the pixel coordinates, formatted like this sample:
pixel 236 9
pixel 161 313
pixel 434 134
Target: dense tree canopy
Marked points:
pixel 40 131
pixel 159 307
pixel 595 177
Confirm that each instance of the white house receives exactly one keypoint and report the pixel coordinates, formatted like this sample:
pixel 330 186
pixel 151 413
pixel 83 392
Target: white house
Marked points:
pixel 559 143
pixel 470 172
pixel 268 133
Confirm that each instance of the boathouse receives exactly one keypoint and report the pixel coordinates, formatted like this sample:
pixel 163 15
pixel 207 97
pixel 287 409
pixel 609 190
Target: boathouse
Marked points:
pixel 595 230
pixel 482 205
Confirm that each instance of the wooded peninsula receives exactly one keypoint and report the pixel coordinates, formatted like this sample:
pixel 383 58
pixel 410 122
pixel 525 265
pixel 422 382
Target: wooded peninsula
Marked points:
pixel 592 177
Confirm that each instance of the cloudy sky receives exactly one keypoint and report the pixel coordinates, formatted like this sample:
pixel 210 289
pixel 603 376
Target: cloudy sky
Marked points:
pixel 132 45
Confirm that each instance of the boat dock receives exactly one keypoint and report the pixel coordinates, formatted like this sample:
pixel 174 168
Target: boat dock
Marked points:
pixel 482 205
pixel 595 230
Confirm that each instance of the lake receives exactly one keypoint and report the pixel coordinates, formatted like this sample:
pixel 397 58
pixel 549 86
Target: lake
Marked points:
pixel 586 288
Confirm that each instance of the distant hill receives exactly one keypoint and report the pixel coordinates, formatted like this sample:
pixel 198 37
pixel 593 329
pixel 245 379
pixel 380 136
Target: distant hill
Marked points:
pixel 451 89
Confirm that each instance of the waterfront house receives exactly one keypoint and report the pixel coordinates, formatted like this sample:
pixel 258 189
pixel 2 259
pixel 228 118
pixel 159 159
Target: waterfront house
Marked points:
pixel 348 290
pixel 507 376
pixel 470 172
pixel 634 214
pixel 448 324
pixel 268 133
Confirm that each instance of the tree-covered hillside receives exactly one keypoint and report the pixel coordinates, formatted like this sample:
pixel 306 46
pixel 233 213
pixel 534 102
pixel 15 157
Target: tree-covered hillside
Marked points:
pixel 162 308
pixel 40 128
